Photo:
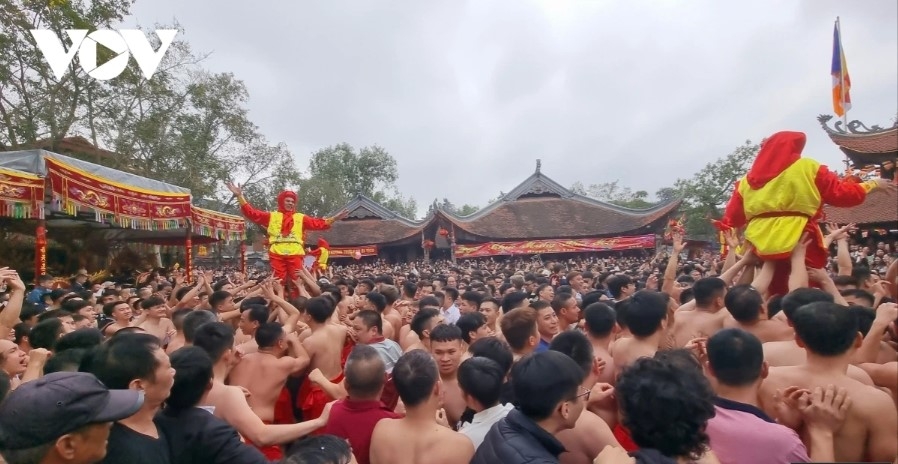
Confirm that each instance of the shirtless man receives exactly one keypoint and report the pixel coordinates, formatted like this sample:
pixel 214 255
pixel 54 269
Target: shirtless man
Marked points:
pixel 120 313
pixel 490 309
pixel 156 323
pixel 747 312
pixel 519 328
pixel 446 348
pixel 707 317
pixel 590 433
pixel 645 314
pixel 377 302
pixel 393 312
pixel 423 436
pixel 601 326
pixel 229 402
pixel 830 336
pixel 325 348
pixel 265 372
pixel 423 322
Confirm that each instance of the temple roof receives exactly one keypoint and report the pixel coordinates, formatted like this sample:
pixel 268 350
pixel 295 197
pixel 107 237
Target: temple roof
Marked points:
pixel 368 223
pixel 879 207
pixel 863 145
pixel 541 208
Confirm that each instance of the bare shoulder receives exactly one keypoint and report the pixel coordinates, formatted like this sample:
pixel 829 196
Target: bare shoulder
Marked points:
pixel 384 429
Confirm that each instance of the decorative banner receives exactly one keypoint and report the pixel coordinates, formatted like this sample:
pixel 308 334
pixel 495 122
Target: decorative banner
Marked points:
pixel 119 204
pixel 40 251
pixel 217 225
pixel 21 195
pixel 533 247
pixel 352 252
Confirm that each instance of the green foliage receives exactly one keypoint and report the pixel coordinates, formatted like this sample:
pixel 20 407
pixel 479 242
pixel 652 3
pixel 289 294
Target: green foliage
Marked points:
pixel 706 193
pixel 612 192
pixel 338 173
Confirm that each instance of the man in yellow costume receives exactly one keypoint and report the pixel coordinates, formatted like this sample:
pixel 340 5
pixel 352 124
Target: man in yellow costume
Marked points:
pixel 782 197
pixel 285 229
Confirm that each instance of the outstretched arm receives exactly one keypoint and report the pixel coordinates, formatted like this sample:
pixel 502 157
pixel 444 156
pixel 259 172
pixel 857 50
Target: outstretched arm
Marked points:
pixel 259 217
pixel 314 223
pixel 840 193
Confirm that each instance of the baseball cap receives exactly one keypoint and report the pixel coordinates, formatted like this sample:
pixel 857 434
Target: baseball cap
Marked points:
pixel 42 410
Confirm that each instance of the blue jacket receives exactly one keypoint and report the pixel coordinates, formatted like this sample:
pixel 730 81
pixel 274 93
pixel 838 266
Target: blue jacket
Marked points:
pixel 518 440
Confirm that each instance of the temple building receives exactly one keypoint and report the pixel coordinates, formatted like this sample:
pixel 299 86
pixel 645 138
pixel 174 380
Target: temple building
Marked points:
pixel 870 151
pixel 538 217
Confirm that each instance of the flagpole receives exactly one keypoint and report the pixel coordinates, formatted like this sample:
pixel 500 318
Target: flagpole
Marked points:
pixel 842 68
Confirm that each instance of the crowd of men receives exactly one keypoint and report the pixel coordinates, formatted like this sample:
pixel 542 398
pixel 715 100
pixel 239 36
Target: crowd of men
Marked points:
pixel 646 359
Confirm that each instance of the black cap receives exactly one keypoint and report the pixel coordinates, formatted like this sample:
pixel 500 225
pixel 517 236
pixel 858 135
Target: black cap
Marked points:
pixel 45 409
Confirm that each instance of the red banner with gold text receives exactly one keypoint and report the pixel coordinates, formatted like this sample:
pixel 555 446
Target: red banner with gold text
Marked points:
pixel 120 204
pixel 533 247
pixel 352 252
pixel 217 225
pixel 21 195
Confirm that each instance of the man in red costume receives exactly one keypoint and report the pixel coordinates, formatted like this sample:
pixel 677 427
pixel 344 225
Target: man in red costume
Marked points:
pixel 286 232
pixel 782 197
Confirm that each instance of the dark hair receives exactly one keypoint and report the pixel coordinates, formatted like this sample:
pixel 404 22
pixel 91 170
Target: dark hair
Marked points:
pixel 415 375
pixel 445 333
pixel 865 317
pixel 481 378
pixel 73 306
pixel 177 317
pixel 122 359
pixel 620 312
pixel 707 289
pixel 599 319
pixel 430 300
pixel 82 338
pixel 826 329
pixel 422 319
pixel 319 449
pixel 378 300
pixel 21 330
pixel 371 318
pixel 736 357
pixel 802 296
pixel 448 292
pixel 45 333
pixel 744 303
pixel 576 346
pixel 645 311
pixel 686 296
pixel 518 326
pixel 193 372
pixel 496 349
pixel 617 284
pixel 469 322
pixel 495 301
pixel 218 297
pixel 257 313
pixel 512 301
pixel 665 407
pixel 67 360
pixel 151 301
pixel 559 301
pixel 193 321
pixel 543 380
pixel 53 314
pixel 774 305
pixel 364 372
pixel 858 293
pixel 215 338
pixel 473 297
pixel 253 300
pixel 594 296
pixel 268 334
pixel 320 309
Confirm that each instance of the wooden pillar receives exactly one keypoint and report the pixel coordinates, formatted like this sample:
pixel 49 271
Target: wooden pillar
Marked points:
pixel 40 249
pixel 188 254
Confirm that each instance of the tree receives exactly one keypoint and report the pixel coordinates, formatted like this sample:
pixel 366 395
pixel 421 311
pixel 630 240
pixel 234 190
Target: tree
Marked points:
pixel 706 193
pixel 467 210
pixel 338 173
pixel 612 192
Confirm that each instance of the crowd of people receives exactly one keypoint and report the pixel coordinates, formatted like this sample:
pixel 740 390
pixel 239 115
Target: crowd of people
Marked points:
pixel 607 359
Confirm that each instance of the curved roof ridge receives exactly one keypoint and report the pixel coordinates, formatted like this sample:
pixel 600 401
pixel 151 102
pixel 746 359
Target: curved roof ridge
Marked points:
pixel 361 200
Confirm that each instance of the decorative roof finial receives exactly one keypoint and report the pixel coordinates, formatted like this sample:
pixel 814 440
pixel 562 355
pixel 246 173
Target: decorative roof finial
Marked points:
pixel 539 164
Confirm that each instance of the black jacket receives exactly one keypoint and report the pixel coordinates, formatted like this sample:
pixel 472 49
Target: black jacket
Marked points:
pixel 518 440
pixel 196 436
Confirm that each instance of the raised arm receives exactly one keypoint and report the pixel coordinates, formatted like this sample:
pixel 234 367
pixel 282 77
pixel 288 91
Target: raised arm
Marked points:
pixel 257 216
pixel 841 193
pixel 314 223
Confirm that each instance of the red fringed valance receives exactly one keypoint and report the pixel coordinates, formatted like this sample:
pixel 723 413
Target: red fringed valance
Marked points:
pixel 21 195
pixel 118 204
pixel 533 247
pixel 217 225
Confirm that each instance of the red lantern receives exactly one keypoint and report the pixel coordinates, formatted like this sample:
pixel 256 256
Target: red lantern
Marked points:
pixel 443 232
pixel 428 244
pixel 357 255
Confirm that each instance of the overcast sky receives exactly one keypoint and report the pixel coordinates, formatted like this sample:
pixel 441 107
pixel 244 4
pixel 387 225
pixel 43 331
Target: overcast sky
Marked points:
pixel 466 95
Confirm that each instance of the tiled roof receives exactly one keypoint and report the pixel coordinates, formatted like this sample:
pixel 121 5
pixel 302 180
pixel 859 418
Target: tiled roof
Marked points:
pixel 368 223
pixel 863 145
pixel 880 207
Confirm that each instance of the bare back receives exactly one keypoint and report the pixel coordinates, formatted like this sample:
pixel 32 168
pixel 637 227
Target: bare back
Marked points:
pixel 870 431
pixel 696 324
pixel 264 375
pixel 586 440
pixel 400 441
pixel 766 330
pixel 325 348
pixel 627 350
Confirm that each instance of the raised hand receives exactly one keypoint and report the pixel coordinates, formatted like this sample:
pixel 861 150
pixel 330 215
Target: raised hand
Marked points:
pixel 234 188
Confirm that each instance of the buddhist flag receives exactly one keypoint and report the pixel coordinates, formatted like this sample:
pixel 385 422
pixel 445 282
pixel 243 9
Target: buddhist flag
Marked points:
pixel 841 81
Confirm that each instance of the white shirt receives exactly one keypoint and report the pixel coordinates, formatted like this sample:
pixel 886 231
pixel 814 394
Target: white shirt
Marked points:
pixel 451 314
pixel 483 421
